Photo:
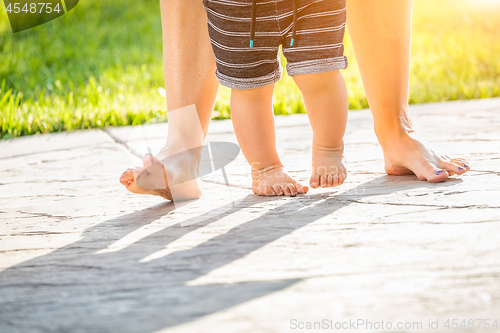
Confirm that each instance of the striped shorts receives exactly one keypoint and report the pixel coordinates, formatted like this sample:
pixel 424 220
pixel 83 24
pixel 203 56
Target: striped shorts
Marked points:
pixel 246 36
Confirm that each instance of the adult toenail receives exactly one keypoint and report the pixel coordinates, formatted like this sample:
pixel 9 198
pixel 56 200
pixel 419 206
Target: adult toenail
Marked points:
pixel 438 172
pixel 460 168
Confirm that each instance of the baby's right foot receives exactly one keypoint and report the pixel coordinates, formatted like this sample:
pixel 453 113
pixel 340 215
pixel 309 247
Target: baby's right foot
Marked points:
pixel 328 166
pixel 274 181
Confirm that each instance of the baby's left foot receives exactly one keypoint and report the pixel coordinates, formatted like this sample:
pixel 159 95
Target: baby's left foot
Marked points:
pixel 328 166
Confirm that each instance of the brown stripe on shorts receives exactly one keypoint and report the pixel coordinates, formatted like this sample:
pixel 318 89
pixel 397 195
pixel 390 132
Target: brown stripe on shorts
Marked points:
pixel 317 48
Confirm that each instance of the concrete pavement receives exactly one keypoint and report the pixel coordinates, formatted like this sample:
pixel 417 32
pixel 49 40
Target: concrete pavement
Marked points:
pixel 78 253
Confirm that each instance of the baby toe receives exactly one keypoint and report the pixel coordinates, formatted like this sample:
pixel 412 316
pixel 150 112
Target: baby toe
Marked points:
pixel 301 189
pixel 342 178
pixel 293 190
pixel 286 190
pixel 314 181
pixel 323 180
pixel 330 180
pixel 277 189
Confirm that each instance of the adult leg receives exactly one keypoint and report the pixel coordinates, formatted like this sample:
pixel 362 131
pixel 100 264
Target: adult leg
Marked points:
pixel 253 121
pixel 381 35
pixel 189 80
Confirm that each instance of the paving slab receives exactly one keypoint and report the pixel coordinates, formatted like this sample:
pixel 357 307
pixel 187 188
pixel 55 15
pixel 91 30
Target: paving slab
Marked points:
pixel 78 253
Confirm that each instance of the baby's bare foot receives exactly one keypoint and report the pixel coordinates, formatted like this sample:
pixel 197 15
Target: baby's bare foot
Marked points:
pixel 328 166
pixel 274 181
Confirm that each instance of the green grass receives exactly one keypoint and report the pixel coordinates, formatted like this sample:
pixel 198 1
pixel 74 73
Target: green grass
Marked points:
pixel 101 65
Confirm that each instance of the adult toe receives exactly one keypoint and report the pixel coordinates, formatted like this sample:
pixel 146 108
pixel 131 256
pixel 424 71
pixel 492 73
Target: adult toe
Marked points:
pixel 126 177
pixel 453 168
pixel 461 162
pixel 432 174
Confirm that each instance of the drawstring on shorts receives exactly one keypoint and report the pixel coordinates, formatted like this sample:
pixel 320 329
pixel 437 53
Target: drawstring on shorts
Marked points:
pixel 254 20
pixel 294 31
pixel 252 25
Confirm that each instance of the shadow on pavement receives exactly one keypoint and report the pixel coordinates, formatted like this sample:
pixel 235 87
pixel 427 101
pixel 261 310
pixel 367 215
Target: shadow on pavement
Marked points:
pixel 76 289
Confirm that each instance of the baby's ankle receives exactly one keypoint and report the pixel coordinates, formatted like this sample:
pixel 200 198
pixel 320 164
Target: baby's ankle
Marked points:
pixel 258 170
pixel 328 148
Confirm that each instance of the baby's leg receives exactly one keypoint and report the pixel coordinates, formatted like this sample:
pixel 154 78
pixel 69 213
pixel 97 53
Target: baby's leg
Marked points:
pixel 253 121
pixel 325 98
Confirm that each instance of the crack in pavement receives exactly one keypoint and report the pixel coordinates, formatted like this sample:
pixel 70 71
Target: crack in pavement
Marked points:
pixel 419 205
pixel 33 249
pixel 44 195
pixel 41 233
pixel 54 216
pixel 488 172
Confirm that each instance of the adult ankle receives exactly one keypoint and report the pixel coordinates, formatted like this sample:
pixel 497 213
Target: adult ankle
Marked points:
pixel 387 134
pixel 393 126
pixel 184 128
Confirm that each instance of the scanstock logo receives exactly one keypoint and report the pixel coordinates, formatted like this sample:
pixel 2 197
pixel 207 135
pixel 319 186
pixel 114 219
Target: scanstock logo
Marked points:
pixel 25 14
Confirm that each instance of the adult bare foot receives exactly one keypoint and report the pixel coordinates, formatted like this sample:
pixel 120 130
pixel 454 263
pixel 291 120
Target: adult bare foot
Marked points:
pixel 406 153
pixel 173 178
pixel 173 173
pixel 274 181
pixel 328 166
pixel 128 180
